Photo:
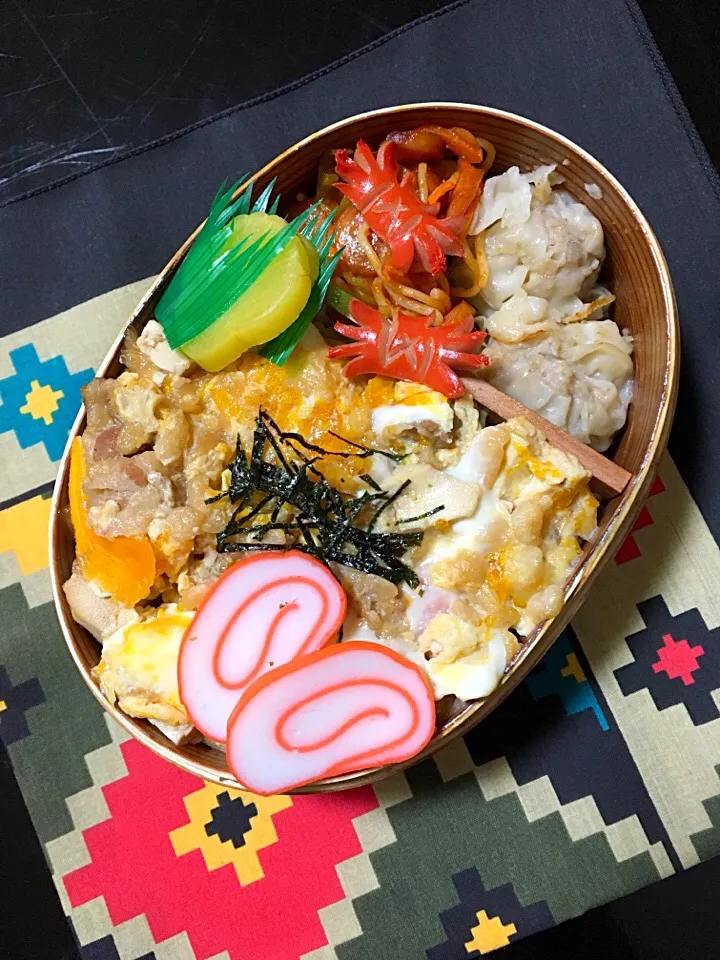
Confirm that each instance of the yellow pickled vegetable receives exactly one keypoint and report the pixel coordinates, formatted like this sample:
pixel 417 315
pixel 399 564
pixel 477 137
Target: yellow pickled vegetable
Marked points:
pixel 268 307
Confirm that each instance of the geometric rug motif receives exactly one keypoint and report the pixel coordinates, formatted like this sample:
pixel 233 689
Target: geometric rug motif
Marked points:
pixel 629 548
pixel 105 949
pixel 24 547
pixel 560 749
pixel 23 530
pixel 490 919
pixel 14 701
pixel 153 858
pixel 40 400
pixel 560 673
pixel 63 725
pixel 229 826
pixel 671 661
pixel 707 842
pixel 445 828
pixel 52 356
pixel 649 630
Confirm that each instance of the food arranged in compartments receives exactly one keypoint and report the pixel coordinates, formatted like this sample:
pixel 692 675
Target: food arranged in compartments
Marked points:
pixel 352 459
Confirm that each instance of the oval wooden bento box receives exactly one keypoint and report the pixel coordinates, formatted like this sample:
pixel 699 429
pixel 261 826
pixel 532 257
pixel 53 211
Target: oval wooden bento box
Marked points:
pixel 635 270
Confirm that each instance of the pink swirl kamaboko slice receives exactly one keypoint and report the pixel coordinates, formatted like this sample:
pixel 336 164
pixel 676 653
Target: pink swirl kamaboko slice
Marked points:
pixel 346 707
pixel 265 610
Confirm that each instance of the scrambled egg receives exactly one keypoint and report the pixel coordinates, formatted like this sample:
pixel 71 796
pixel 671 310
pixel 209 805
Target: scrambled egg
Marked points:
pixel 478 670
pixel 138 670
pixel 412 407
pixel 494 561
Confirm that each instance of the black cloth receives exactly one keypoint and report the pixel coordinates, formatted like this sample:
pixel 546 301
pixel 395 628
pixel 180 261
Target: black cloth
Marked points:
pixel 589 70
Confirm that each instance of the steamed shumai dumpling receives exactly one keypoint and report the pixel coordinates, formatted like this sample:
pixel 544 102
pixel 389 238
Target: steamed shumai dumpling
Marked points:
pixel 537 239
pixel 579 377
pixel 550 343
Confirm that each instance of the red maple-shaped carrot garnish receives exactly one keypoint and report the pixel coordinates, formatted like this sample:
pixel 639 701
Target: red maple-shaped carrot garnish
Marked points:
pixel 408 348
pixel 265 610
pixel 350 706
pixel 394 212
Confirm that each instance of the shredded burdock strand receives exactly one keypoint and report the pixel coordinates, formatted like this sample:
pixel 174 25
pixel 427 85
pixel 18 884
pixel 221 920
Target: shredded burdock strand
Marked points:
pixel 403 295
pixel 476 264
pixel 490 153
pixel 422 182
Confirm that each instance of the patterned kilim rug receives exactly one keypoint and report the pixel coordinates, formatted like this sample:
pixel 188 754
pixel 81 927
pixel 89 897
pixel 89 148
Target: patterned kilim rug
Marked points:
pixel 598 776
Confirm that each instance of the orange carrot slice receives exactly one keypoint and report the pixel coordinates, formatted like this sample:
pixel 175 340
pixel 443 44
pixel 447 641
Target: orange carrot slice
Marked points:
pixel 460 313
pixel 124 567
pixel 467 189
pixel 440 191
pixel 266 609
pixel 350 706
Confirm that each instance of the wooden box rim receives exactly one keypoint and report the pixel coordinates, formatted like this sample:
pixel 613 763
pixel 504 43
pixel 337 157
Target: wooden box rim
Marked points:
pixel 537 645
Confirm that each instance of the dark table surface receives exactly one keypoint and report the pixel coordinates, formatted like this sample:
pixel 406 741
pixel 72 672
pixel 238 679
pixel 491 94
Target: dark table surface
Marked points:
pixel 85 82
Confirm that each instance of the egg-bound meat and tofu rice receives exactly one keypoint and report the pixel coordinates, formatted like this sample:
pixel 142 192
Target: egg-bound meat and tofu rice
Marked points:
pixel 502 513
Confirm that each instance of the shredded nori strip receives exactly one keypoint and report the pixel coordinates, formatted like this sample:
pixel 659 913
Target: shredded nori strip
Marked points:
pixel 422 516
pixel 400 490
pixel 369 451
pixel 330 523
pixel 316 449
pixel 369 481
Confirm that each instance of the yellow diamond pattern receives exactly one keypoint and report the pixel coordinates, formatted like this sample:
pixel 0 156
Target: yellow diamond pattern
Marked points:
pixel 41 402
pixel 573 668
pixel 23 529
pixel 489 934
pixel 216 854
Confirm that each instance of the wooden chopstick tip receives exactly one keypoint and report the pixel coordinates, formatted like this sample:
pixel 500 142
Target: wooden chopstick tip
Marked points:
pixel 610 477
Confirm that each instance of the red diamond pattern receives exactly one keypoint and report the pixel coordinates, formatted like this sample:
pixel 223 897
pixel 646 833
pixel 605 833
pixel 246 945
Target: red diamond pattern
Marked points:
pixel 678 659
